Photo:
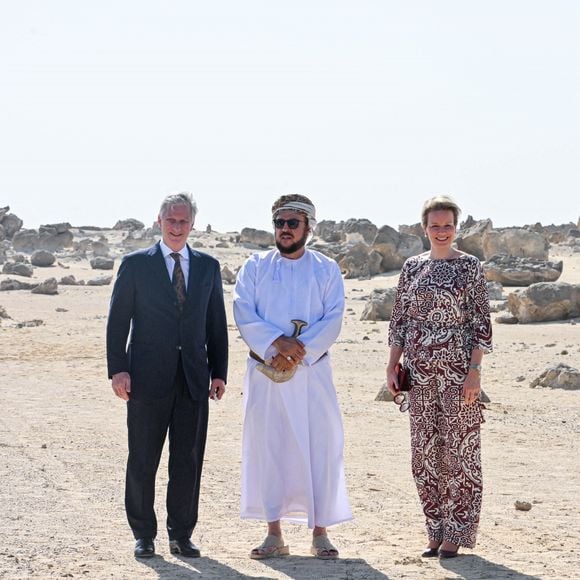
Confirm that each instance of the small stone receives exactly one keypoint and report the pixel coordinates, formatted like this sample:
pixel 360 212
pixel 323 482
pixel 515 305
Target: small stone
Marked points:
pixel 564 352
pixel 523 506
pixel 366 338
pixel 43 446
pixel 520 379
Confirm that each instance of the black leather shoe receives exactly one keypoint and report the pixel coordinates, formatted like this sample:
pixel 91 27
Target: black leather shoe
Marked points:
pixel 448 553
pixel 430 553
pixel 144 548
pixel 184 547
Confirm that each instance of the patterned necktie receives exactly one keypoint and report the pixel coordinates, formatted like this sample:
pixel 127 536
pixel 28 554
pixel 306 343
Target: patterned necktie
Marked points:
pixel 178 280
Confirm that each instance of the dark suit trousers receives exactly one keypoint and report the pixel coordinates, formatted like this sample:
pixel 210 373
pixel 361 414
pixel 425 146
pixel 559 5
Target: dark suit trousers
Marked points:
pixel 148 423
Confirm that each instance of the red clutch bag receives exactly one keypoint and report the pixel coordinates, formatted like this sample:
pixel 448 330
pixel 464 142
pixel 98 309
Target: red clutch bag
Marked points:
pixel 403 378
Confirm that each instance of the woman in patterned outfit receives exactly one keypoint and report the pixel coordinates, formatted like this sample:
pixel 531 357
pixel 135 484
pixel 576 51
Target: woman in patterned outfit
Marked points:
pixel 441 324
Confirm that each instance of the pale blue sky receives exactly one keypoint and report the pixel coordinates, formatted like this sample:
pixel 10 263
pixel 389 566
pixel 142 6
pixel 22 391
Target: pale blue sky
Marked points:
pixel 369 107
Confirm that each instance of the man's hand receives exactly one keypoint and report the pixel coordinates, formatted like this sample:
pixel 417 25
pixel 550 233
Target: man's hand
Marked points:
pixel 281 363
pixel 291 347
pixel 217 389
pixel 121 383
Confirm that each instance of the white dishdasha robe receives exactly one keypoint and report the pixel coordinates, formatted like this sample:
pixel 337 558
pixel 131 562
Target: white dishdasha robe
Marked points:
pixel 292 451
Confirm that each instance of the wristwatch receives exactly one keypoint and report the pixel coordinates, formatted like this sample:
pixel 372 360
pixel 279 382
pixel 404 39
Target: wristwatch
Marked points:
pixel 475 367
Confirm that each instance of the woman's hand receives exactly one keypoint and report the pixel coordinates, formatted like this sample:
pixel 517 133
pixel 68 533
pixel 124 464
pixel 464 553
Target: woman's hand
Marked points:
pixel 472 387
pixel 392 380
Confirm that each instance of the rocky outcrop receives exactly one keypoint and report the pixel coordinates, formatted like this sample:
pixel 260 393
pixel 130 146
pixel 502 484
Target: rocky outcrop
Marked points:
pixel 101 281
pixel 48 237
pixel 48 287
pixel 545 301
pixel 513 271
pixel 395 248
pixel 11 284
pixel 11 223
pixel 360 261
pixel 560 376
pixel 518 242
pixel 256 238
pixel 472 235
pixel 228 277
pixel 364 227
pixel 495 290
pixel 25 241
pixel 416 230
pixel 101 263
pixel 379 305
pixel 329 231
pixel 130 224
pixel 18 269
pixel 42 258
pixel 70 280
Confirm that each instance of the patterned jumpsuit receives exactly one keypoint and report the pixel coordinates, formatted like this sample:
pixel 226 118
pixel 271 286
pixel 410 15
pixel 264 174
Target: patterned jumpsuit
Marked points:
pixel 440 315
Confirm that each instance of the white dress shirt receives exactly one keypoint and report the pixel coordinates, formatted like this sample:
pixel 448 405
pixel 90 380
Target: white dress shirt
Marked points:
pixel 170 262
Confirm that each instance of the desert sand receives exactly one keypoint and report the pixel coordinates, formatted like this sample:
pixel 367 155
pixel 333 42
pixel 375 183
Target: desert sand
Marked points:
pixel 63 453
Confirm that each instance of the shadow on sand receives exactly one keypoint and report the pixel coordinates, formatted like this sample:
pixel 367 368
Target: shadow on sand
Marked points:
pixel 194 568
pixel 478 568
pixel 299 567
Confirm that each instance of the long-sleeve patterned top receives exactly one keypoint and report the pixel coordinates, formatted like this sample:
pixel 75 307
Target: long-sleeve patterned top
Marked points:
pixel 441 310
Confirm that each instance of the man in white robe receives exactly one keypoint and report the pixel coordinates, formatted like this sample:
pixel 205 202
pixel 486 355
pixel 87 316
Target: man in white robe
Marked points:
pixel 292 457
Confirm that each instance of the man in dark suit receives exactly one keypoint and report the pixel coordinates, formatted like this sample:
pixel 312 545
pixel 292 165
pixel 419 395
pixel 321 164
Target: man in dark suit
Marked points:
pixel 167 352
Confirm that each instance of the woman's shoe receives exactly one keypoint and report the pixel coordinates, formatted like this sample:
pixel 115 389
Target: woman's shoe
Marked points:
pixel 448 553
pixel 430 553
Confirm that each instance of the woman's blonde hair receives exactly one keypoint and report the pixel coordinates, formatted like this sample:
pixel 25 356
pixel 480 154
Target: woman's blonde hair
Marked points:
pixel 440 202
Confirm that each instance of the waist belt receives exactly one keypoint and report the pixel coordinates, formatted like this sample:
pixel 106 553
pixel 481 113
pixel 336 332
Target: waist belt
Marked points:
pixel 261 360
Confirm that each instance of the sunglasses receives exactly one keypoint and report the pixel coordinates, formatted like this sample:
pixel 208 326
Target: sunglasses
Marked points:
pixel 402 401
pixel 293 223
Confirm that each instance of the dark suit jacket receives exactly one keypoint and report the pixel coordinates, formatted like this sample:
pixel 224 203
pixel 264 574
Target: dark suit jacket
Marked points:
pixel 146 332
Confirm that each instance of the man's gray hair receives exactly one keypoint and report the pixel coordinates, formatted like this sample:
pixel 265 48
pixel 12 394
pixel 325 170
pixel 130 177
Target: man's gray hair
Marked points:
pixel 183 198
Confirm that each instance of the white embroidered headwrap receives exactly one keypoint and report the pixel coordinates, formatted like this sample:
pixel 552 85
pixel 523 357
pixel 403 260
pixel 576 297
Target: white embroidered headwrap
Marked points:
pixel 306 208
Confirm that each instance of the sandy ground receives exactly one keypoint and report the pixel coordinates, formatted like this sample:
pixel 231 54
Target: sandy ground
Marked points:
pixel 63 452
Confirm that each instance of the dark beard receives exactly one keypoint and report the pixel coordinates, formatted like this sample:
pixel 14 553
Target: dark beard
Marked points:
pixel 297 245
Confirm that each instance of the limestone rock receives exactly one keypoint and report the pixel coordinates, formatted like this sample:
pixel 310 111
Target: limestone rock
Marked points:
pixel 518 242
pixel 11 224
pixel 130 224
pixel 506 319
pixel 514 271
pixel 379 305
pixel 18 269
pixel 3 313
pixel 42 258
pixel 48 287
pixel 257 238
pixel 561 376
pixel 361 261
pixel 329 231
pixel 228 277
pixel 11 284
pixel 523 506
pixel 545 301
pixel 470 238
pixel 25 241
pixel 53 237
pixel 100 248
pixel 416 230
pixel 101 263
pixel 101 281
pixel 495 290
pixel 395 248
pixel 364 227
pixel 384 394
pixel 69 280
